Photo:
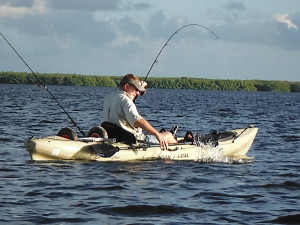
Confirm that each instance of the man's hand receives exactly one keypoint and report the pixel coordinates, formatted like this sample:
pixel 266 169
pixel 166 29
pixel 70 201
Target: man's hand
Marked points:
pixel 164 138
pixel 163 143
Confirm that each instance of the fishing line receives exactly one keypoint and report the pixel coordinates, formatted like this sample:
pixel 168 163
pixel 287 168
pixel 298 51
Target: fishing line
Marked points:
pixel 166 43
pixel 41 85
pixel 223 58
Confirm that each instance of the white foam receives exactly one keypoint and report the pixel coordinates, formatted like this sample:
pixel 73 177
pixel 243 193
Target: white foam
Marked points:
pixel 208 153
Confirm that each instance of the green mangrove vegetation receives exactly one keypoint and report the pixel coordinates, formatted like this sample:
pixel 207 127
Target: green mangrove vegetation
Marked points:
pixel 154 82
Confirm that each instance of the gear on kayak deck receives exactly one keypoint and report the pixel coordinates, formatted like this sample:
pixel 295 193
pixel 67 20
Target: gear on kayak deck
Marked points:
pixel 68 133
pixel 188 137
pixel 97 132
pixel 214 137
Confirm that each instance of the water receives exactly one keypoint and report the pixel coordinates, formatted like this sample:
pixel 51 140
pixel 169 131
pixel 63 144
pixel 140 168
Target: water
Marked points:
pixel 266 191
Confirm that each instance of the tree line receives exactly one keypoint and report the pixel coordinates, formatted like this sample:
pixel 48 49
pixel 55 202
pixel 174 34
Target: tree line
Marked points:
pixel 154 82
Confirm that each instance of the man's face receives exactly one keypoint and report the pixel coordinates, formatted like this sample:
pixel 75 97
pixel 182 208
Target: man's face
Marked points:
pixel 132 90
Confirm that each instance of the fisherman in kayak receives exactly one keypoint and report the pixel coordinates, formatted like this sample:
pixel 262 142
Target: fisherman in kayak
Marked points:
pixel 119 109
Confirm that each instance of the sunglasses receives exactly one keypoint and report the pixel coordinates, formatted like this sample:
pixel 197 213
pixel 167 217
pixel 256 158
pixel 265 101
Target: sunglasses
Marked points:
pixel 134 87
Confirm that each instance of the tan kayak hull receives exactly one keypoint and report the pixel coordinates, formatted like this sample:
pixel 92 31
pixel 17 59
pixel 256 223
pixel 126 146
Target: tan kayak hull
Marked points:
pixel 58 148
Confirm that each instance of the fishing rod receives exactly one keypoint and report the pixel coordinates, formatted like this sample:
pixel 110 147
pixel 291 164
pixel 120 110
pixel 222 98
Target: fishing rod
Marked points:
pixel 41 85
pixel 187 25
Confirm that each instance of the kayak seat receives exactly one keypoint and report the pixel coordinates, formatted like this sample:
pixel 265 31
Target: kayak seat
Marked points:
pixel 117 132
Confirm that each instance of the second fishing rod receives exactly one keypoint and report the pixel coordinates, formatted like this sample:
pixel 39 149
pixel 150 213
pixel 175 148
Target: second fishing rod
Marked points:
pixel 176 32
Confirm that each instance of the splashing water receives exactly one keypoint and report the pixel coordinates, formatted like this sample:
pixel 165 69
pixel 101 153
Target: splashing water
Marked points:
pixel 208 153
pixel 239 159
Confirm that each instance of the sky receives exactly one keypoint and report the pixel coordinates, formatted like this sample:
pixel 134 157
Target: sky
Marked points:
pixel 257 39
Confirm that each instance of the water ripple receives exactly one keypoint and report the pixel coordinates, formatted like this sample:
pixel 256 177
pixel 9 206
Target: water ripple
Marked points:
pixel 263 190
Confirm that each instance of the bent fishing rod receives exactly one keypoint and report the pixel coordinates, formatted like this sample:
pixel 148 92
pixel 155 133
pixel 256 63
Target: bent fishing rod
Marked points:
pixel 166 43
pixel 41 85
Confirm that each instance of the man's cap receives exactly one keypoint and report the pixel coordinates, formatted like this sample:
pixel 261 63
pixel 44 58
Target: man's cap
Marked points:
pixel 134 80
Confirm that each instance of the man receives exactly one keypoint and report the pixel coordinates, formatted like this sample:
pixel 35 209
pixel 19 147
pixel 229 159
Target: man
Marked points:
pixel 120 109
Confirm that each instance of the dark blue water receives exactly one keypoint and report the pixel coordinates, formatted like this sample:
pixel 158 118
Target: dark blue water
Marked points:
pixel 266 191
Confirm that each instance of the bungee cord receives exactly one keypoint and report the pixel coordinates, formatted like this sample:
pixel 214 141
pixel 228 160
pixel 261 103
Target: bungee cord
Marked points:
pixel 166 43
pixel 41 85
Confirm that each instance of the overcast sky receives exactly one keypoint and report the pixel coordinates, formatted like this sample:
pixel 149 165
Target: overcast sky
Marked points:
pixel 258 39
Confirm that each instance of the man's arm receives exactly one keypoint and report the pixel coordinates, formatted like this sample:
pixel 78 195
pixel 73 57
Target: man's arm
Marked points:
pixel 145 125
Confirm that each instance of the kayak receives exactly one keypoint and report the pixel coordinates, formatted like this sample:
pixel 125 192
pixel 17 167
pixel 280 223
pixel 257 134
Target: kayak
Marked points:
pixel 232 143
